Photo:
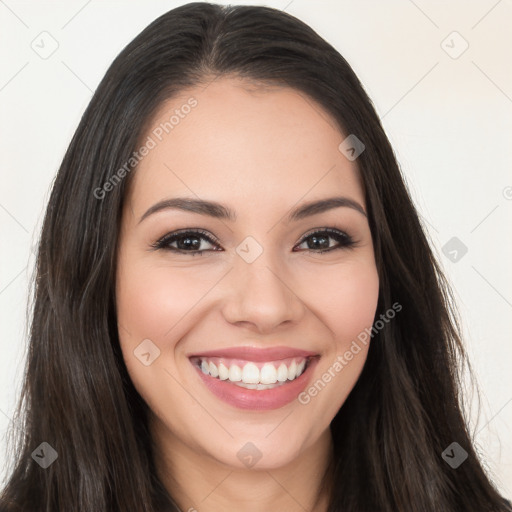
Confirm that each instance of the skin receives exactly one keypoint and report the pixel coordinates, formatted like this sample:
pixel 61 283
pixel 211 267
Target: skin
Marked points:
pixel 261 152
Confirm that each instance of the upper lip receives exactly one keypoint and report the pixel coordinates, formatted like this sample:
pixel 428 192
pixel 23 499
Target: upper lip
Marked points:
pixel 256 354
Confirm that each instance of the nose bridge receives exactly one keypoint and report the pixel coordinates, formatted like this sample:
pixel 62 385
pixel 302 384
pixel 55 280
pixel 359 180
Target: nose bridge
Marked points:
pixel 259 292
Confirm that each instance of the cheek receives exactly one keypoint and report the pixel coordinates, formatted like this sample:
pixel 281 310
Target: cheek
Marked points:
pixel 152 304
pixel 347 305
pixel 358 306
pixel 346 301
pixel 151 300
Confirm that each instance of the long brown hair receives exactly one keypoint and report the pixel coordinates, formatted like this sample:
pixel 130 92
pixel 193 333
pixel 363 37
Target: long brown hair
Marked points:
pixel 405 409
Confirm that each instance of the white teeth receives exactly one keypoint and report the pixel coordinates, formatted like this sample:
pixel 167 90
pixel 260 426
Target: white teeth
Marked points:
pixel 223 372
pixel 213 370
pixel 282 373
pixel 235 373
pixel 251 374
pixel 268 374
pixel 251 377
pixel 292 371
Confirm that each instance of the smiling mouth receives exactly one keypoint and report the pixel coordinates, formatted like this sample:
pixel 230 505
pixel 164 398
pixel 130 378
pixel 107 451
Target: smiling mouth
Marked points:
pixel 256 375
pixel 257 379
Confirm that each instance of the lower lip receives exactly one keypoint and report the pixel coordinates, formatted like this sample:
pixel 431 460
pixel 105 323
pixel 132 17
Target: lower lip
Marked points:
pixel 253 399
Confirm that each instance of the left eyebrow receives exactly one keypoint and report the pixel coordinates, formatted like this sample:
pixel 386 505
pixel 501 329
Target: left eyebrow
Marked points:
pixel 220 211
pixel 316 207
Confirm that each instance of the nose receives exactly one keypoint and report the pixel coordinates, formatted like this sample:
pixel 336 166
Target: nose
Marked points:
pixel 261 295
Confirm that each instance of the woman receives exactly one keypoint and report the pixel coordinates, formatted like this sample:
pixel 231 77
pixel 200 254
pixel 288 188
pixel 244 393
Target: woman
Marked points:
pixel 307 357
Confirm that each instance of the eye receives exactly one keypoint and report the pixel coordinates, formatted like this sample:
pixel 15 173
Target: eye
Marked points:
pixel 187 242
pixel 318 241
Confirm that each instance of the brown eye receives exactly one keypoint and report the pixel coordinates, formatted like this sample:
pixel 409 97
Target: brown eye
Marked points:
pixel 186 242
pixel 320 241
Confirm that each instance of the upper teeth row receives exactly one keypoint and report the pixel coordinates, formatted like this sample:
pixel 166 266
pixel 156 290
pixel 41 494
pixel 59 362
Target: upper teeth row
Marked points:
pixel 251 374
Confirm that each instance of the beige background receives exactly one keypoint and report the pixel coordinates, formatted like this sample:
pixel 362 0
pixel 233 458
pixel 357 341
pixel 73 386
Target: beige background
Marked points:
pixel 448 115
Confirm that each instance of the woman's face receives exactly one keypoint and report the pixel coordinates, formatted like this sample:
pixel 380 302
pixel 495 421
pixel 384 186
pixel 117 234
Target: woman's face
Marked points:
pixel 259 302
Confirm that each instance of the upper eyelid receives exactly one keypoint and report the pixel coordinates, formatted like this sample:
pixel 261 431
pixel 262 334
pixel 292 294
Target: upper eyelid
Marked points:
pixel 326 229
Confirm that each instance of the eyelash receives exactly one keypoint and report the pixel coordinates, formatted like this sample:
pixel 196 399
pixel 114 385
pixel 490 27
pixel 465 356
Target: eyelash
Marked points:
pixel 344 240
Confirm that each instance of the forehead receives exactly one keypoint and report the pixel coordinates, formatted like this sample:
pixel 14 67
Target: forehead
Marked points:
pixel 232 140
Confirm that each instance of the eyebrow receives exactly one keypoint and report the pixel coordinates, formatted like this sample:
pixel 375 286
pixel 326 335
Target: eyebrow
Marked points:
pixel 220 211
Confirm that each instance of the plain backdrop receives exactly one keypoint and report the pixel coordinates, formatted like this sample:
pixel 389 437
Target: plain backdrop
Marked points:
pixel 439 74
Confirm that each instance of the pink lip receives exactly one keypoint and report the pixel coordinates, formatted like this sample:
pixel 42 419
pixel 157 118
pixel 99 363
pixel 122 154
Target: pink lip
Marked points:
pixel 255 354
pixel 253 399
